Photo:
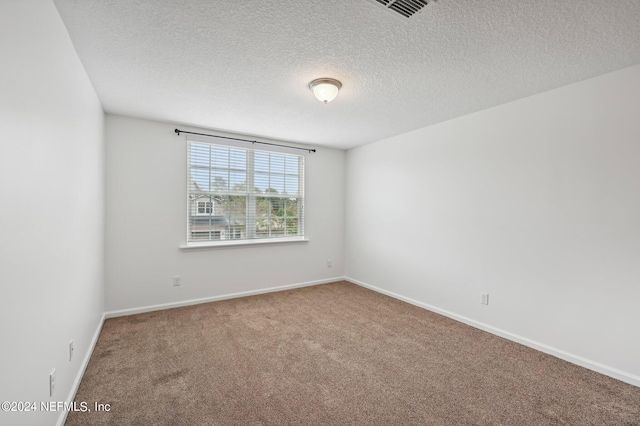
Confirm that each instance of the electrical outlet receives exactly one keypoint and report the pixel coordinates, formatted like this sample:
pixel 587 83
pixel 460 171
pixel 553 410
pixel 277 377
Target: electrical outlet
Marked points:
pixel 52 381
pixel 70 350
pixel 484 298
pixel 329 263
pixel 177 281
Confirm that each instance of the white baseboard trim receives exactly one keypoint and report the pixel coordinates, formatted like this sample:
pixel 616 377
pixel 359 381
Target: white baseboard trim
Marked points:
pixel 574 359
pixel 83 368
pixel 133 311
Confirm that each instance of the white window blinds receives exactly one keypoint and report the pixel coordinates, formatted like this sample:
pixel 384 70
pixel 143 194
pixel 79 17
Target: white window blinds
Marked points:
pixel 239 193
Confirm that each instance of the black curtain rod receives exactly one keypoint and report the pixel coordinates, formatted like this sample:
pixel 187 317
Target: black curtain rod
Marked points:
pixel 178 131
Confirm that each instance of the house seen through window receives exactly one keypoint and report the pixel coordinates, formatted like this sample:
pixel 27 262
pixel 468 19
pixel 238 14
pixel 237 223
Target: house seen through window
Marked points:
pixel 238 193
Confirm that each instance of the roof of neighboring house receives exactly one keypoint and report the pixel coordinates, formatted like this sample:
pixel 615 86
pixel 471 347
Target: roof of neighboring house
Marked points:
pixel 209 220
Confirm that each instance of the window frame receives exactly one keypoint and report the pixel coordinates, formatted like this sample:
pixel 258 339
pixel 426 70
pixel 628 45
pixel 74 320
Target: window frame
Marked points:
pixel 251 236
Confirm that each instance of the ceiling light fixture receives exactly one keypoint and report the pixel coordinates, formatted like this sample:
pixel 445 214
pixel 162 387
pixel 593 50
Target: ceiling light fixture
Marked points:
pixel 325 89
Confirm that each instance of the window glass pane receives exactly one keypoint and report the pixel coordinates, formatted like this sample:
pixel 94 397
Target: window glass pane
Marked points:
pixel 291 165
pixel 262 230
pixel 199 180
pixel 238 159
pixel 219 180
pixel 263 207
pixel 263 215
pixel 277 227
pixel 261 160
pixel 236 232
pixel 235 206
pixel 277 163
pixel 291 208
pixel 292 226
pixel 291 185
pixel 277 184
pixel 200 155
pixel 277 206
pixel 199 235
pixel 238 181
pixel 261 181
pixel 220 157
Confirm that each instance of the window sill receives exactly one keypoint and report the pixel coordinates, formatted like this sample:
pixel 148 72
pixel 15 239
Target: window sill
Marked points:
pixel 243 243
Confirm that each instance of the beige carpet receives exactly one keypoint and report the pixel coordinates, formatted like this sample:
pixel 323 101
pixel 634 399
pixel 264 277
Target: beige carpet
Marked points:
pixel 333 354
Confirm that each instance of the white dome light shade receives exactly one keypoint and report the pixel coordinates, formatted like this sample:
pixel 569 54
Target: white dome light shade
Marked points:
pixel 325 89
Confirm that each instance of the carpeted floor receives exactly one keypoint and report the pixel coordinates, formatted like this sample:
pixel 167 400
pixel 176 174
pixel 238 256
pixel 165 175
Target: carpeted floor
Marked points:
pixel 333 354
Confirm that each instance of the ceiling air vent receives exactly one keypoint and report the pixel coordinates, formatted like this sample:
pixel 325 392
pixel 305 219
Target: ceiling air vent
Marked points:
pixel 406 8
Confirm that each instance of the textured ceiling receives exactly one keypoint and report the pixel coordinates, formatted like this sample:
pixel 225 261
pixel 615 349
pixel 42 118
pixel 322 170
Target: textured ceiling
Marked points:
pixel 244 66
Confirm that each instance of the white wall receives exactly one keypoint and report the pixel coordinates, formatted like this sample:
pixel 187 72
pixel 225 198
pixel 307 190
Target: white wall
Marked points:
pixel 52 216
pixel 146 224
pixel 535 202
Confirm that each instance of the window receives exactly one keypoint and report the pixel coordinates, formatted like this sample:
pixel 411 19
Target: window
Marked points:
pixel 204 207
pixel 240 193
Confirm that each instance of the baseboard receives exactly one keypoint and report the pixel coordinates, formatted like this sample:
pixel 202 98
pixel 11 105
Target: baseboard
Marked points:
pixel 572 358
pixel 83 368
pixel 133 311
